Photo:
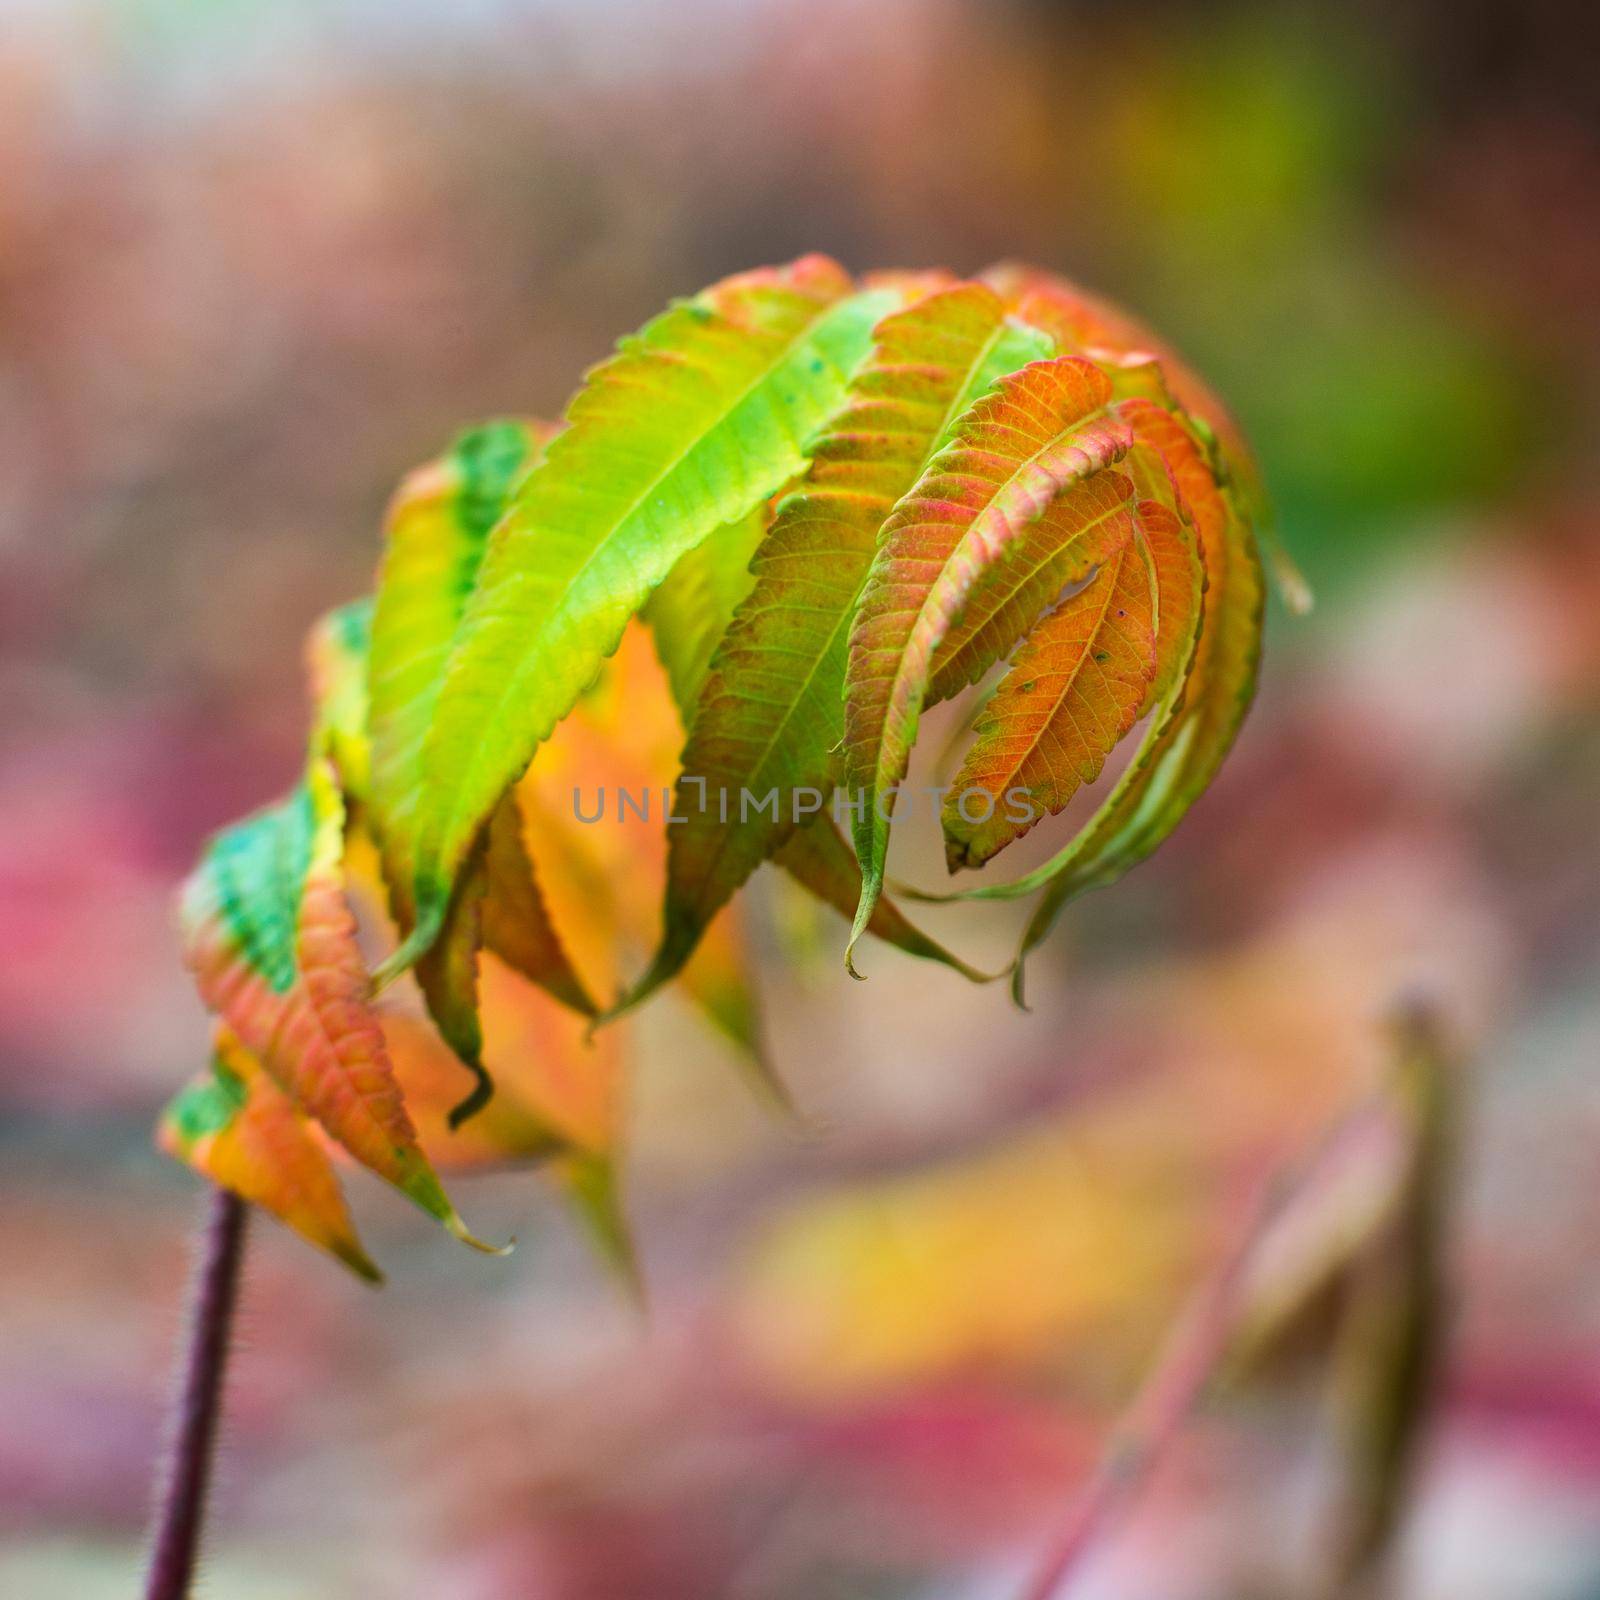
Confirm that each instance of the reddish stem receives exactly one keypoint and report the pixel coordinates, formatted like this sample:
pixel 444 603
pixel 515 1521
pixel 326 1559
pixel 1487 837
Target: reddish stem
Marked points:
pixel 1186 1365
pixel 181 1511
pixel 1156 1416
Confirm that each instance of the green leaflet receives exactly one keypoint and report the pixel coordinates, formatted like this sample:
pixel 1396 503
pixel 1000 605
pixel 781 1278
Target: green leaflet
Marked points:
pixel 721 981
pixel 435 534
pixel 760 754
pixel 694 422
pixel 1015 452
pixel 690 612
pixel 249 882
pixel 437 530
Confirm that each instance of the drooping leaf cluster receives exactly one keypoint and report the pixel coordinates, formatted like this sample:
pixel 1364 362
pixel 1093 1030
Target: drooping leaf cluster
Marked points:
pixel 784 519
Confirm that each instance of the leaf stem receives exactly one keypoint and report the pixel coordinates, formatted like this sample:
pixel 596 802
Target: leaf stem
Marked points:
pixel 181 1510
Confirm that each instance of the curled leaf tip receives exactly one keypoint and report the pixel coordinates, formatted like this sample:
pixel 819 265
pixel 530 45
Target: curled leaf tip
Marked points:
pixel 871 893
pixel 482 1093
pixel 1018 975
pixel 460 1230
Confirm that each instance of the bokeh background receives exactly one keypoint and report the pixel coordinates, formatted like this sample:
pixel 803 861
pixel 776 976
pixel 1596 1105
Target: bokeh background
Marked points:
pixel 258 257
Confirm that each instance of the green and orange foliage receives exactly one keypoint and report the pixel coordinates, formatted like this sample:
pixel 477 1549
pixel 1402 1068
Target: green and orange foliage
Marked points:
pixel 710 603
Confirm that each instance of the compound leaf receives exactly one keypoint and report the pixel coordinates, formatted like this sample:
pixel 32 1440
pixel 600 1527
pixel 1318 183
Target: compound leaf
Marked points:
pixel 697 420
pixel 761 744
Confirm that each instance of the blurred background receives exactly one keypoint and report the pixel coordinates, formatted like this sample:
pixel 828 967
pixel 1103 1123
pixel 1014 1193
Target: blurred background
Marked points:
pixel 259 257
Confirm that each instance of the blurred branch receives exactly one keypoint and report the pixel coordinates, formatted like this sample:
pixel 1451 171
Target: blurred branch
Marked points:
pixel 1363 1203
pixel 1390 1341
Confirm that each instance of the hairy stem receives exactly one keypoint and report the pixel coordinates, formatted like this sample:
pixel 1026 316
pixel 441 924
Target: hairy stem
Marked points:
pixel 181 1509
